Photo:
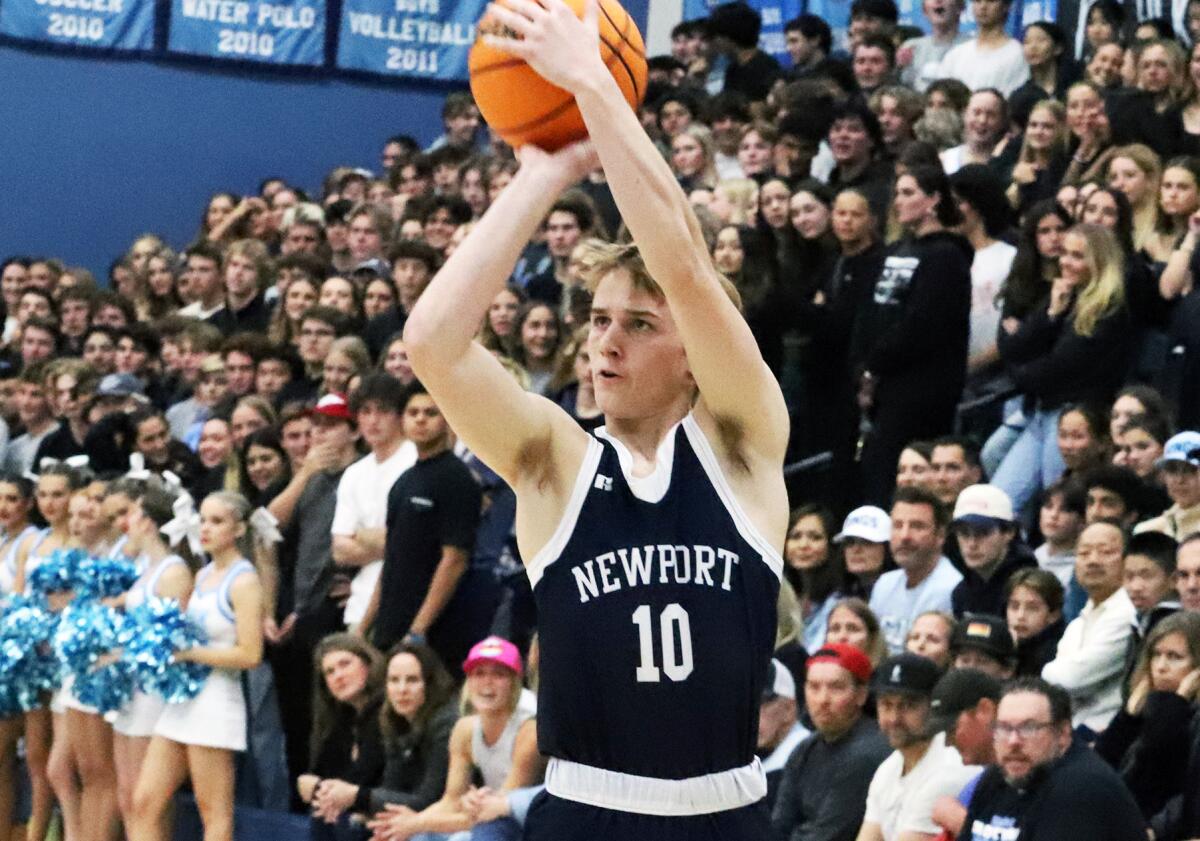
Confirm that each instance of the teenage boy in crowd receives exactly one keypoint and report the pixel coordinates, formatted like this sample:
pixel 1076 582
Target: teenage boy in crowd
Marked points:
pixel 432 516
pixel 359 519
pixel 1180 465
pixel 991 550
pixel 983 643
pixel 993 58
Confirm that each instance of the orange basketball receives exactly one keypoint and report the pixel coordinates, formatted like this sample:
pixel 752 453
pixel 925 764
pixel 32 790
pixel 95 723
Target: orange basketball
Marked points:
pixel 522 107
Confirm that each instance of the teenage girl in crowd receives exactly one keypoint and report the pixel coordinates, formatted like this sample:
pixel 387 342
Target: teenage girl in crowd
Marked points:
pixel 198 738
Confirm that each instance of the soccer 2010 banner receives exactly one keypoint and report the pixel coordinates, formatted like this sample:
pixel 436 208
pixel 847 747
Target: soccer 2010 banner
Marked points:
pixel 105 24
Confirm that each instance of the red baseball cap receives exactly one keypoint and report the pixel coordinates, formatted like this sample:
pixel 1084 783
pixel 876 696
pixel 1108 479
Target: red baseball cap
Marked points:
pixel 333 405
pixel 849 657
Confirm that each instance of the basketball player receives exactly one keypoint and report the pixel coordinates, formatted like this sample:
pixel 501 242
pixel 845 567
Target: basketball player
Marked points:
pixel 654 547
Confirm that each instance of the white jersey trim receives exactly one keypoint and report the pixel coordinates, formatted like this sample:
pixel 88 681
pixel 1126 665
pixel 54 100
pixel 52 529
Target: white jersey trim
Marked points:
pixel 554 547
pixel 650 488
pixel 701 795
pixel 712 467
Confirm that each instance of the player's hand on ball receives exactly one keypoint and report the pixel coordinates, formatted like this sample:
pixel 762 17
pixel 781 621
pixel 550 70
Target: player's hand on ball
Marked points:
pixel 551 39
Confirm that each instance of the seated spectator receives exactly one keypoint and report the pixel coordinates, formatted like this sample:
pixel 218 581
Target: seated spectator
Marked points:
pixel 963 707
pixel 1060 520
pixel 991 552
pixel 415 723
pixel 922 767
pixel 1150 581
pixel 852 623
pixel 1083 442
pixel 925 577
pixel 265 468
pixel 779 727
pixel 74 382
pixel 1148 740
pixel 930 637
pixel 162 453
pixel 814 569
pixel 498 742
pixel 864 540
pixel 914 468
pixel 1180 466
pixel 1046 786
pixel 984 122
pixel 36 416
pixel 983 642
pixel 347 753
pixel 1035 620
pixel 1091 655
pixel 824 788
pixel 953 467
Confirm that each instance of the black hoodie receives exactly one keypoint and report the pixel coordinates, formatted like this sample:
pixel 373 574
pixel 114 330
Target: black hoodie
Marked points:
pixel 912 333
pixel 975 594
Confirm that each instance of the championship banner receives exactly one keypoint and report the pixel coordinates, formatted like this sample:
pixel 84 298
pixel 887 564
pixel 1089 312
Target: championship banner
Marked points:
pixel 109 24
pixel 268 31
pixel 775 13
pixel 425 39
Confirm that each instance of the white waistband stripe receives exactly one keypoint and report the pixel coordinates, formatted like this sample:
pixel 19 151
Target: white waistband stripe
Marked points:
pixel 702 795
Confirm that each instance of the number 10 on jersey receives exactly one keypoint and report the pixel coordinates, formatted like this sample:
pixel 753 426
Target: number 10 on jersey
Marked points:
pixel 676 660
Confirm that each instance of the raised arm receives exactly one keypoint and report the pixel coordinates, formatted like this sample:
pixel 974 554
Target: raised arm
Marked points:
pixel 735 384
pixel 484 405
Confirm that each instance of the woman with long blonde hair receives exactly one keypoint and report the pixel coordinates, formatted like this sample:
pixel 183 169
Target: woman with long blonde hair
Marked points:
pixel 1136 170
pixel 1044 156
pixel 1073 347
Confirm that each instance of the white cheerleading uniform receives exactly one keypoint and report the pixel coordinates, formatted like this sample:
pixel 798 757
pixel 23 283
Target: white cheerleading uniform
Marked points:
pixel 8 563
pixel 140 715
pixel 215 718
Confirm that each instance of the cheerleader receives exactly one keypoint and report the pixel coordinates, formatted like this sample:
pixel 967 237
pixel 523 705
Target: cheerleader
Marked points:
pixel 114 510
pixel 81 768
pixel 199 737
pixel 166 576
pixel 16 504
pixel 55 486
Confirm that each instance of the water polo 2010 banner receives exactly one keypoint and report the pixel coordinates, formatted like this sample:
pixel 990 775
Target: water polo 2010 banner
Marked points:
pixel 427 39
pixel 110 24
pixel 267 31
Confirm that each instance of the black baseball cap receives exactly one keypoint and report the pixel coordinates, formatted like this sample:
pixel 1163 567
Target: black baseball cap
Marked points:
pixel 908 673
pixel 959 690
pixel 985 633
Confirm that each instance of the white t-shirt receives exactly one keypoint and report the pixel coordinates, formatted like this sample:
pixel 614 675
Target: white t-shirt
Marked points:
pixel 989 270
pixel 900 802
pixel 1003 68
pixel 897 606
pixel 362 496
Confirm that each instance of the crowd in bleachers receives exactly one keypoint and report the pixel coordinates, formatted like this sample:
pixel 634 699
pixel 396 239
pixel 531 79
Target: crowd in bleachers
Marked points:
pixel 969 260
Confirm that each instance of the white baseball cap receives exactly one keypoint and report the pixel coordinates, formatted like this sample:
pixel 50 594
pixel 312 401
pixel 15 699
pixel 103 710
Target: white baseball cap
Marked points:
pixel 984 505
pixel 866 523
pixel 780 683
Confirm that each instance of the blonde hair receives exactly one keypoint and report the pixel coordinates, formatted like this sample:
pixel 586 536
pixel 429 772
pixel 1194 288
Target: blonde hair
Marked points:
pixel 1145 215
pixel 703 135
pixel 742 195
pixel 1104 292
pixel 1062 136
pixel 599 259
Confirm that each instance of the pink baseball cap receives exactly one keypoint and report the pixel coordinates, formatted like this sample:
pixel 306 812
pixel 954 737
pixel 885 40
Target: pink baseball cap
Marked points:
pixel 493 650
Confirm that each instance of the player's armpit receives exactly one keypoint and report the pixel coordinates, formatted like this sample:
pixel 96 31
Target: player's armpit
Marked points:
pixel 508 428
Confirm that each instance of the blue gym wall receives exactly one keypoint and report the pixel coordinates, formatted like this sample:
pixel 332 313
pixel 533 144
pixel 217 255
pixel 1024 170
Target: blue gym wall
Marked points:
pixel 95 150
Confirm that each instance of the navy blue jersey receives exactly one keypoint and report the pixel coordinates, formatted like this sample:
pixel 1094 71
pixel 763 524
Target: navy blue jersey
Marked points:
pixel 656 614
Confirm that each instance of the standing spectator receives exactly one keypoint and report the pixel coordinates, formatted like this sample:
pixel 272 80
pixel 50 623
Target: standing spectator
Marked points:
pixel 1035 620
pixel 359 521
pixel 922 767
pixel 824 788
pixel 873 60
pixel 245 275
pixel 911 341
pixel 1091 655
pixel 925 578
pixel 1180 465
pixel 991 550
pixel 992 59
pixel 432 515
pixel 808 40
pixel 203 281
pixel 921 58
pixel 856 141
pixel 1044 787
pixel 734 28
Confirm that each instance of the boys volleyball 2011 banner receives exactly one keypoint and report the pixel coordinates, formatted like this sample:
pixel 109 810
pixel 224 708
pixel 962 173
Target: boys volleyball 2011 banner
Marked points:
pixel 108 24
pixel 427 39
pixel 269 31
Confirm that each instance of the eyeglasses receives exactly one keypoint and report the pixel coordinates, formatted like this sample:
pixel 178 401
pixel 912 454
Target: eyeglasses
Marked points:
pixel 1026 729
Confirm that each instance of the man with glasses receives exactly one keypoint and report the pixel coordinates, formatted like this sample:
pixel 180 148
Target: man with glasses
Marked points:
pixel 1044 785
